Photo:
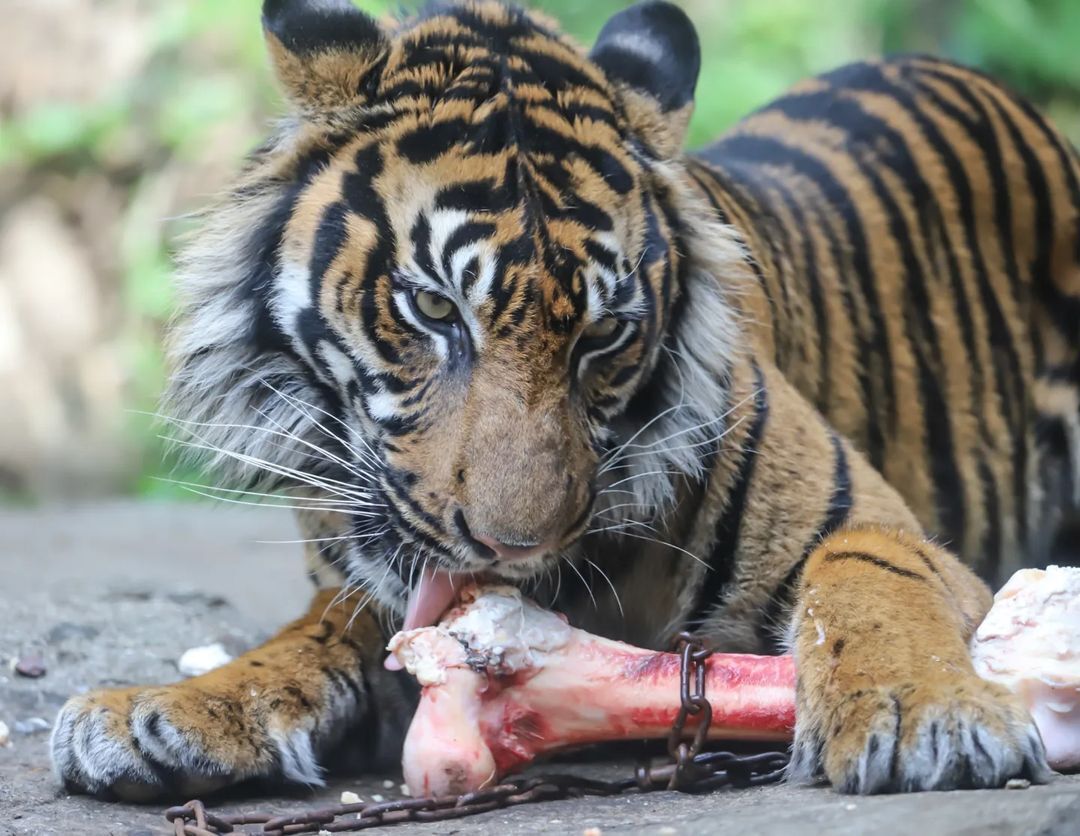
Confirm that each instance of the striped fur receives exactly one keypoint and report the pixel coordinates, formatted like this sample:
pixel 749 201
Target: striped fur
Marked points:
pixel 785 389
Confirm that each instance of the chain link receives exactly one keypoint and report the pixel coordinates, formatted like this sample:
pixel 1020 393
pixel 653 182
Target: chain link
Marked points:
pixel 690 769
pixel 692 703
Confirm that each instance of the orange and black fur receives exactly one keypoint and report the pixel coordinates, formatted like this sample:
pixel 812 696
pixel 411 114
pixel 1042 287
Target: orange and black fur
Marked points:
pixel 475 310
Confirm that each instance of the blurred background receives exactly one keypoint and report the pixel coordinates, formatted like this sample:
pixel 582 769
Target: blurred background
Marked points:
pixel 118 117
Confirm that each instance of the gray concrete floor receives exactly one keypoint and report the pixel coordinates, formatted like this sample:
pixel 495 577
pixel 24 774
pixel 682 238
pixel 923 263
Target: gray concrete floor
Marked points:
pixel 113 594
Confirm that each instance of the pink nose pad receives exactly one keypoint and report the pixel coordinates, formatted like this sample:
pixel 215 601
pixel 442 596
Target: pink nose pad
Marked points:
pixel 508 552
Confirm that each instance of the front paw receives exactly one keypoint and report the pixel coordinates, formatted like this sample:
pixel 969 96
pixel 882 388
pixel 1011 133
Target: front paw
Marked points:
pixel 956 732
pixel 141 744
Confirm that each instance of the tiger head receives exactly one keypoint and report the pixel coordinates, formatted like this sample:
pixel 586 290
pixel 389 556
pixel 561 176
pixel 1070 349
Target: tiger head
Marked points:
pixel 440 292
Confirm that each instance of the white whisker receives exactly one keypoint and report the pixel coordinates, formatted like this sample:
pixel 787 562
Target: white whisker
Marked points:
pixel 333 486
pixel 319 503
pixel 584 582
pixel 614 592
pixel 231 501
pixel 302 406
pixel 664 543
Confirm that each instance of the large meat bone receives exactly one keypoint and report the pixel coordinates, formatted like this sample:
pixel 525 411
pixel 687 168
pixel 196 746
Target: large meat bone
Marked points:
pixel 505 681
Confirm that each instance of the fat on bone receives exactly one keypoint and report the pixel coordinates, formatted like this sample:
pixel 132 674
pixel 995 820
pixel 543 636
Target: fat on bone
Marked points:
pixel 1030 643
pixel 505 681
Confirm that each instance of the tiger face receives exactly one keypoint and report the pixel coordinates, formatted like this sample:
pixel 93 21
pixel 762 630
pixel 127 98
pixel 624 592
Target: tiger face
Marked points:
pixel 473 259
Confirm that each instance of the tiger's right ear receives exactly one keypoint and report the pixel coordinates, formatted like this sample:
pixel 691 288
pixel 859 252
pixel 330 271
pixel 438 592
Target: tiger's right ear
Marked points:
pixel 323 50
pixel 650 51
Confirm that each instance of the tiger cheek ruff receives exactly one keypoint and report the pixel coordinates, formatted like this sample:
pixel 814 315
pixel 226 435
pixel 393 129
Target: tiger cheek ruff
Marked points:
pixel 478 312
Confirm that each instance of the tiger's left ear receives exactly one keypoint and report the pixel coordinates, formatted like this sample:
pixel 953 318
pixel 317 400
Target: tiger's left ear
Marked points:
pixel 651 53
pixel 323 50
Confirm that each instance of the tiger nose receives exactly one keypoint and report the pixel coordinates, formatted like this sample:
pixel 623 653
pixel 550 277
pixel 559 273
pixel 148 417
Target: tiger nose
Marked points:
pixel 491 547
pixel 506 551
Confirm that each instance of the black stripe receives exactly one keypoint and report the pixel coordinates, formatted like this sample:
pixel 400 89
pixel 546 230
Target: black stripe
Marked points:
pixel 262 249
pixel 1068 307
pixel 1063 310
pixel 695 175
pixel 344 683
pixel 812 279
pixel 672 262
pixel 836 251
pixel 473 196
pixel 774 234
pixel 726 539
pixel 990 562
pixel 769 150
pixel 962 302
pixel 722 175
pixel 891 151
pixel 655 248
pixel 840 504
pixel 420 237
pixel 929 564
pixel 1009 382
pixel 358 190
pixel 932 217
pixel 427 142
pixel 393 490
pixel 465 235
pixel 873 560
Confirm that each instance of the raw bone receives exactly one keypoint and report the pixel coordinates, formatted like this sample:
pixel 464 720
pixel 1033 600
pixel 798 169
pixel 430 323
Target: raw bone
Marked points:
pixel 505 681
pixel 1030 643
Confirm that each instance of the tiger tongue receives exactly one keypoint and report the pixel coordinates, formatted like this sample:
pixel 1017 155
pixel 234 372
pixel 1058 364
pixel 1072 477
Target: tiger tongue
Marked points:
pixel 433 593
pixel 429 599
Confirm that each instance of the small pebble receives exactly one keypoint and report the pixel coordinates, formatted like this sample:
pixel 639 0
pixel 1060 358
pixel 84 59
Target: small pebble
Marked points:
pixel 1017 784
pixel 32 666
pixel 31 725
pixel 405 791
pixel 378 799
pixel 325 833
pixel 199 660
pixel 350 798
pixel 388 785
pixel 5 735
pixel 849 806
pixel 667 831
pixel 592 831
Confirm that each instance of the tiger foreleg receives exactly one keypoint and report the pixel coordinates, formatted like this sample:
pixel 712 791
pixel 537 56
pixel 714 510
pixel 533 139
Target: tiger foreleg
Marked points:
pixel 273 714
pixel 887 697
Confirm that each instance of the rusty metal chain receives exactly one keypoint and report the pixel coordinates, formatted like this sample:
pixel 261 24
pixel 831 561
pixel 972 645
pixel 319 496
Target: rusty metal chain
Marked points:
pixel 692 703
pixel 690 769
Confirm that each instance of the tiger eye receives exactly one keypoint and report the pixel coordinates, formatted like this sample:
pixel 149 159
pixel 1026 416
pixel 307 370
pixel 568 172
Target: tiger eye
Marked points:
pixel 434 306
pixel 601 329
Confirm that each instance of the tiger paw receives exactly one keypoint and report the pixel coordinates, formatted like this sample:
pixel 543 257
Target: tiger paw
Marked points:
pixel 954 733
pixel 141 744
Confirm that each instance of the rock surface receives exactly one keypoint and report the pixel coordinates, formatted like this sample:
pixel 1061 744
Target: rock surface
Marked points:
pixel 114 594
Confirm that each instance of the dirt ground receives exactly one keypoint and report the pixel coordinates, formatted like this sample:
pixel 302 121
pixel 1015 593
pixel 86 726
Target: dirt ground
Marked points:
pixel 113 594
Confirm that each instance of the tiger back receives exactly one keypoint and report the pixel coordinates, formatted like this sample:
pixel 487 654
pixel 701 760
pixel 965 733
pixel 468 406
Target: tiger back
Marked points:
pixel 915 229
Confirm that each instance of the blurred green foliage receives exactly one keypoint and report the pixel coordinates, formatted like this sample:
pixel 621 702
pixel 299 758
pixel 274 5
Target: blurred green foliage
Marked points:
pixel 206 67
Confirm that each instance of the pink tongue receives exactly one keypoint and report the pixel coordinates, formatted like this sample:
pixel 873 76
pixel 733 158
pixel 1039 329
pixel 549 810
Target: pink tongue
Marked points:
pixel 433 593
pixel 428 600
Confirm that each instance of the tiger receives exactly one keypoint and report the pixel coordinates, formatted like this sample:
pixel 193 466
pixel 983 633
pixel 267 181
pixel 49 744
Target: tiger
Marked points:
pixel 477 313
